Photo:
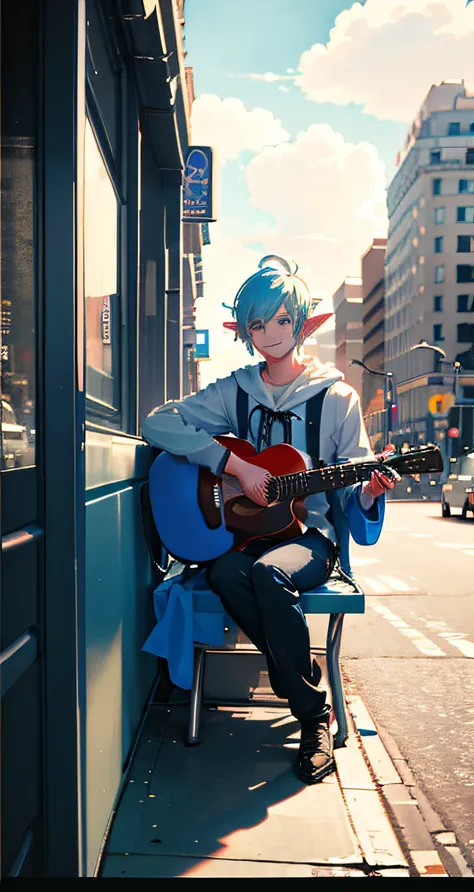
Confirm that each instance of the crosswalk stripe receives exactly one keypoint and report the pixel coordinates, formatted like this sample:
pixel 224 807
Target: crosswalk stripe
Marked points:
pixel 420 641
pixel 396 584
pixel 466 647
pixel 374 585
pixel 456 639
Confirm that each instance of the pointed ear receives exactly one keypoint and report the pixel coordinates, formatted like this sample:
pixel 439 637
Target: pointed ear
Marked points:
pixel 311 325
pixel 232 326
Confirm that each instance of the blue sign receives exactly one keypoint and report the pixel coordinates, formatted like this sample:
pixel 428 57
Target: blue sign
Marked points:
pixel 198 191
pixel 202 344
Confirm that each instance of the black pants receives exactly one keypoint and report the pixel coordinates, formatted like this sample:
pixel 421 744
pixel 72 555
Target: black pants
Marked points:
pixel 260 590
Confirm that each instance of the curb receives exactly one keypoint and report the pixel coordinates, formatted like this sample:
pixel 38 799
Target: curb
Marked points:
pixel 430 848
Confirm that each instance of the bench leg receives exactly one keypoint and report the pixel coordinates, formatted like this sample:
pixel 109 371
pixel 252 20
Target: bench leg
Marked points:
pixel 333 645
pixel 196 696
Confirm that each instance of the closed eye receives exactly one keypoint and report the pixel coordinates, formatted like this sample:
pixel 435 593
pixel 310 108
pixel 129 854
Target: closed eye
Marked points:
pixel 256 326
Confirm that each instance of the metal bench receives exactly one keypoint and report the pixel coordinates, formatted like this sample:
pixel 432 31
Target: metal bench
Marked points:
pixel 336 598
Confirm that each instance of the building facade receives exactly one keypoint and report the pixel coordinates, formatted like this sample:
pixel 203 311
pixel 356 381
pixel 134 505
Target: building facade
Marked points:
pixel 429 265
pixel 94 136
pixel 373 333
pixel 348 330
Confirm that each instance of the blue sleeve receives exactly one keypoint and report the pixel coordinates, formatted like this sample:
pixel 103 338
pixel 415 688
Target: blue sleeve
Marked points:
pixel 365 526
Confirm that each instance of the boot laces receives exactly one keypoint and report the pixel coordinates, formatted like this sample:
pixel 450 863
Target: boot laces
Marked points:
pixel 315 739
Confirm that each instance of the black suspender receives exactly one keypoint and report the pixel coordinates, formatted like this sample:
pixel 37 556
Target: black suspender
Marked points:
pixel 242 413
pixel 314 408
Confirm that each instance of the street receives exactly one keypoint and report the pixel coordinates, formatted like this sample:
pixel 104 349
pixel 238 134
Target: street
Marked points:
pixel 410 657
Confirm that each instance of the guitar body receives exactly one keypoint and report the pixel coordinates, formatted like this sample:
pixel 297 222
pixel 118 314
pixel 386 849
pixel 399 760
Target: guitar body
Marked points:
pixel 197 524
pixel 199 517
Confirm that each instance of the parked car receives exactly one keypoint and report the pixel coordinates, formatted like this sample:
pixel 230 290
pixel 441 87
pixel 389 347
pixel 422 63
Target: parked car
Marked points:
pixel 457 493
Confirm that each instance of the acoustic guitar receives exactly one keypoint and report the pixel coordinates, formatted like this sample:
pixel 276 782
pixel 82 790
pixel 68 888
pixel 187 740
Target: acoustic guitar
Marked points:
pixel 199 516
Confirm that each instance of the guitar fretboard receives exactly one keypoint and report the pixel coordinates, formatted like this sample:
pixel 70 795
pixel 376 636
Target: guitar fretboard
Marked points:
pixel 303 483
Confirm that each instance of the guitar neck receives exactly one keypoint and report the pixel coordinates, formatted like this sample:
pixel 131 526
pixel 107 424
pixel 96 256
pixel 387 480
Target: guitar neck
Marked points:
pixel 305 483
pixel 422 460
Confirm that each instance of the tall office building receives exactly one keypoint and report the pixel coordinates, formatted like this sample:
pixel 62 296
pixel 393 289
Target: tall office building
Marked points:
pixel 349 344
pixel 429 265
pixel 373 324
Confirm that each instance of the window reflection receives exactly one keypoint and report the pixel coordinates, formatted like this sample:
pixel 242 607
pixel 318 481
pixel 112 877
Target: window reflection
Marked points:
pixel 18 385
pixel 101 277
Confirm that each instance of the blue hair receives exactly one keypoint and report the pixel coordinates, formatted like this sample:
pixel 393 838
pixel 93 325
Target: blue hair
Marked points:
pixel 264 292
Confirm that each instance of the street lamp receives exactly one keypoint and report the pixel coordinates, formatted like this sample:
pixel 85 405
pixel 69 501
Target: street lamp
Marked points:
pixel 389 394
pixel 456 366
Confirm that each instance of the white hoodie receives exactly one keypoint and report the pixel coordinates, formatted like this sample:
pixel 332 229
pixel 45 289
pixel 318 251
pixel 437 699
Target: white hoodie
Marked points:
pixel 187 427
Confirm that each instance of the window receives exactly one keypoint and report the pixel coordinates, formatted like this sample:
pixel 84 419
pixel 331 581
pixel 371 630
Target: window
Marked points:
pixel 439 274
pixel 454 128
pixel 466 186
pixel 466 332
pixel 471 128
pixel 437 187
pixel 435 157
pixel 463 300
pixel 439 215
pixel 438 303
pixel 438 244
pixel 465 215
pixel 470 156
pixel 465 274
pixel 19 240
pixel 465 244
pixel 101 221
pixel 438 333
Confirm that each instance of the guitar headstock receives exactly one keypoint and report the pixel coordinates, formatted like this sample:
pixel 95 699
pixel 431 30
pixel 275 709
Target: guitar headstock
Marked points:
pixel 416 460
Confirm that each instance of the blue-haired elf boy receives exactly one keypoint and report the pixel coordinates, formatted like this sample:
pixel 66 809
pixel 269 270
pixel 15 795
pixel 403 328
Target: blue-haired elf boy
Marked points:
pixel 285 398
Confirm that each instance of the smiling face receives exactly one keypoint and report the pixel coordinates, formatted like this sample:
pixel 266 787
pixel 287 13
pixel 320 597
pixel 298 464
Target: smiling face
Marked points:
pixel 273 339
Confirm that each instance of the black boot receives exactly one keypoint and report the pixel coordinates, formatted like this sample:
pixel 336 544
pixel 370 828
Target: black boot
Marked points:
pixel 316 752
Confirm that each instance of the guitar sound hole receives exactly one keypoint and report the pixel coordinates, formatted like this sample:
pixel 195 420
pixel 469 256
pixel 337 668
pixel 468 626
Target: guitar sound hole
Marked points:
pixel 245 508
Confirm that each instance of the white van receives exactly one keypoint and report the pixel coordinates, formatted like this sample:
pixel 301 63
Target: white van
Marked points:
pixel 457 493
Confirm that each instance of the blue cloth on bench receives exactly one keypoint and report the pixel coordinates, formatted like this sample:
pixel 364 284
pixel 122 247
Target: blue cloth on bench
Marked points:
pixel 187 612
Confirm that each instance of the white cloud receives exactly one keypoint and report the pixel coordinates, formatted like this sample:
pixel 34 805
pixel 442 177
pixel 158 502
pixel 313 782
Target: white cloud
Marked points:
pixel 226 264
pixel 231 128
pixel 327 198
pixel 269 77
pixel 386 54
pixel 283 89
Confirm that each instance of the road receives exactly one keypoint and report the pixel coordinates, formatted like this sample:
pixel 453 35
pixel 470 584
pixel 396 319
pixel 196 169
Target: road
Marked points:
pixel 411 656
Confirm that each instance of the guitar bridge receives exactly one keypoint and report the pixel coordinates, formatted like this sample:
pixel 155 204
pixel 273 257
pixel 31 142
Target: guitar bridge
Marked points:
pixel 216 495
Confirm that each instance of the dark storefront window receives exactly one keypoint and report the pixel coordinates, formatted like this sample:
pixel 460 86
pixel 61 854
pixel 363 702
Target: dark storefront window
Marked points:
pixel 18 230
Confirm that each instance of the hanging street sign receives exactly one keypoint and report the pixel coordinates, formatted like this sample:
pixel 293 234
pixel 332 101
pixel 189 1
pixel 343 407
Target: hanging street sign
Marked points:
pixel 198 186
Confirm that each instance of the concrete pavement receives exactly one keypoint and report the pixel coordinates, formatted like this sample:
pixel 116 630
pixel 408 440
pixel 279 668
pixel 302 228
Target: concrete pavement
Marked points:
pixel 232 807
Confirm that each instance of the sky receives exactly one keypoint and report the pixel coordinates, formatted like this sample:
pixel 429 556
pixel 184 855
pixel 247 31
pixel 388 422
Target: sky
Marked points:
pixel 306 104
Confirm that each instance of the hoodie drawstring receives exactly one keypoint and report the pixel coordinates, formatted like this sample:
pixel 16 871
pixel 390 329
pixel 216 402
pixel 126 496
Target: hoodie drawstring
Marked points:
pixel 267 420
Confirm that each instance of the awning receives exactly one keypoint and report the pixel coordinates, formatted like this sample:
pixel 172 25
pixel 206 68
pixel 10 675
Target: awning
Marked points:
pixel 154 47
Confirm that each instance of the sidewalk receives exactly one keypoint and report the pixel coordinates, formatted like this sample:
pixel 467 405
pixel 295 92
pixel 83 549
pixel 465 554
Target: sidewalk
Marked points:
pixel 233 807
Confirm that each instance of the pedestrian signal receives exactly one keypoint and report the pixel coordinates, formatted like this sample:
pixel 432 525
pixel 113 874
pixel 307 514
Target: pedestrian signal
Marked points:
pixel 453 432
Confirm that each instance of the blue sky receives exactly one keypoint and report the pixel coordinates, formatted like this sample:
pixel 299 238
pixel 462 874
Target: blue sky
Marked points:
pixel 256 36
pixel 312 158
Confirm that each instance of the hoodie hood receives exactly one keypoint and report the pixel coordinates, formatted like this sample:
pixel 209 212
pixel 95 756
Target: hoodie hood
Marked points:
pixel 315 376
